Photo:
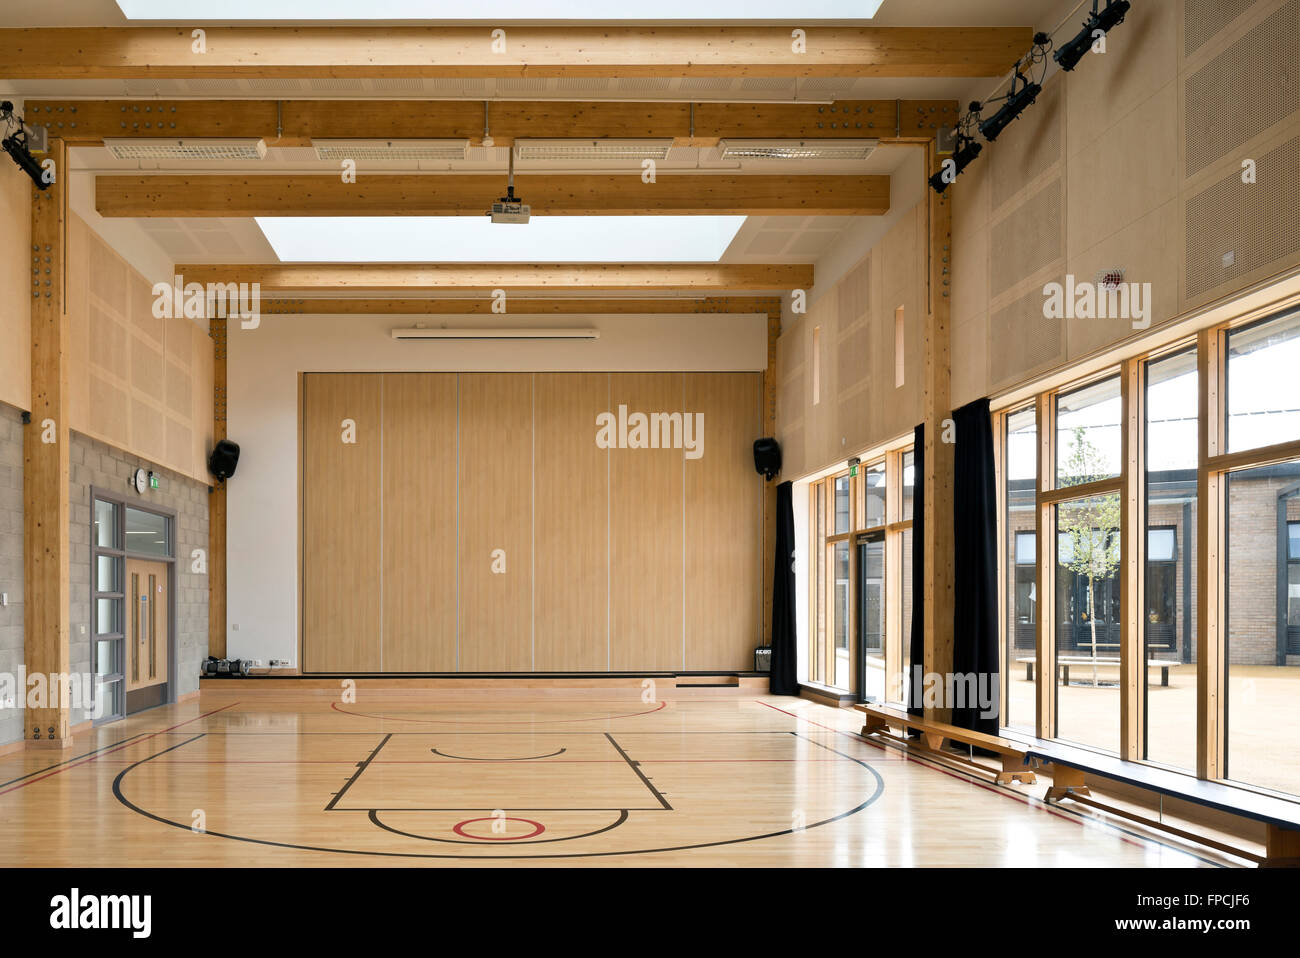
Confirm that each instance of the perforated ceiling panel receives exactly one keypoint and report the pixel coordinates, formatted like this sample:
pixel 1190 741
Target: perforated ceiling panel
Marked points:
pixel 1249 87
pixel 1236 228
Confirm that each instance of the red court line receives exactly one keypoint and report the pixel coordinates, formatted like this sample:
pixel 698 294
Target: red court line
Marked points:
pixel 1022 799
pixel 472 721
pixel 115 749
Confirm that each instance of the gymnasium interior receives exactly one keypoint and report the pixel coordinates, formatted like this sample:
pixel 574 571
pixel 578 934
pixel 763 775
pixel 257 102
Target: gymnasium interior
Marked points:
pixel 724 435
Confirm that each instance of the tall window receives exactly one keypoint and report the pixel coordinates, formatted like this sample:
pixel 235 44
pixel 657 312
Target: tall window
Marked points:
pixel 1263 693
pixel 107 568
pixel 1020 603
pixel 1169 673
pixel 1087 529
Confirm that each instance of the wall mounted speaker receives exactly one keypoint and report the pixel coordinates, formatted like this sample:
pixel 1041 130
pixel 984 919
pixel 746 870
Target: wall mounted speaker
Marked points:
pixel 767 457
pixel 224 458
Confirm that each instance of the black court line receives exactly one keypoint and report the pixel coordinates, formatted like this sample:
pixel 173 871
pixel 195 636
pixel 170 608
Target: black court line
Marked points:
pixel 50 768
pixel 472 758
pixel 122 799
pixel 636 767
pixel 622 817
pixel 361 767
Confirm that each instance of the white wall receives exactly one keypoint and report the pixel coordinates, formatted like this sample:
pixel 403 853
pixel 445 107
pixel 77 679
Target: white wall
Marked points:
pixel 262 416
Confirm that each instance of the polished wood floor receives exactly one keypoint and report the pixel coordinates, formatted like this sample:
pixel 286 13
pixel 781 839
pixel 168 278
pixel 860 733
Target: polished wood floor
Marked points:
pixel 705 777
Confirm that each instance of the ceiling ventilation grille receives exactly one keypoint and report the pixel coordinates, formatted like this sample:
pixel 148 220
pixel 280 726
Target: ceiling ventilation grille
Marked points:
pixel 187 149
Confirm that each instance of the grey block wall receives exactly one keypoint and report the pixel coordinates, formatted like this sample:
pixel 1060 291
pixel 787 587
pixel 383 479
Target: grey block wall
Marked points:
pixel 97 464
pixel 11 563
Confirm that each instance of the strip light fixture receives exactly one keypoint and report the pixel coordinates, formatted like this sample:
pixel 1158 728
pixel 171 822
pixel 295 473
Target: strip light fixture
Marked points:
pixel 190 148
pixel 601 149
pixel 518 333
pixel 797 149
pixel 379 150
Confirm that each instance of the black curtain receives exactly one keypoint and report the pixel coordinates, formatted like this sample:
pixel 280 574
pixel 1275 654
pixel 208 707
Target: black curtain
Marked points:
pixel 784 678
pixel 975 566
pixel 917 640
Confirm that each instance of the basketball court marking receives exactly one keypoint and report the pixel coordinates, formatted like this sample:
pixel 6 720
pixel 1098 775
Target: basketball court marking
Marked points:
pixel 621 815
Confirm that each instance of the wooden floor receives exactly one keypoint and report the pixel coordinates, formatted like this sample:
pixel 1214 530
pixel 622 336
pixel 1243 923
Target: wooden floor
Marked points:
pixel 706 777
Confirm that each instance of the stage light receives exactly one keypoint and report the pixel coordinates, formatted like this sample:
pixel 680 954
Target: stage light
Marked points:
pixel 962 157
pixel 15 144
pixel 1069 55
pixel 1016 103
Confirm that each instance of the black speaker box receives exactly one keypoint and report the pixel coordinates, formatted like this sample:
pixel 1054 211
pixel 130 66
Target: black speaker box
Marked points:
pixel 224 459
pixel 767 457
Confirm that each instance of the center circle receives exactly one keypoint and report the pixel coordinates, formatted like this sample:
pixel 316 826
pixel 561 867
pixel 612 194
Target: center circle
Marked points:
pixel 459 829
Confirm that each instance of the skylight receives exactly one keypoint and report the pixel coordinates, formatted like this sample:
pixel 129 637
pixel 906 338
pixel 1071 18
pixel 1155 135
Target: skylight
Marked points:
pixel 474 239
pixel 501 10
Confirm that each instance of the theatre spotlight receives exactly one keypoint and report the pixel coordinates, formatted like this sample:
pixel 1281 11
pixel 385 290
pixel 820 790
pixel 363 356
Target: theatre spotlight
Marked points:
pixel 15 144
pixel 967 149
pixel 1015 104
pixel 1070 53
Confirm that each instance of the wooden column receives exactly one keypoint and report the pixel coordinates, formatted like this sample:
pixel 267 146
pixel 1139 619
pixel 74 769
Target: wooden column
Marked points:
pixel 1132 650
pixel 217 500
pixel 46 593
pixel 939 459
pixel 768 428
pixel 1211 564
pixel 1045 554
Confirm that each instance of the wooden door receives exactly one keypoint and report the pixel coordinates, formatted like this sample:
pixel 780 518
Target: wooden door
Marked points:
pixel 148 630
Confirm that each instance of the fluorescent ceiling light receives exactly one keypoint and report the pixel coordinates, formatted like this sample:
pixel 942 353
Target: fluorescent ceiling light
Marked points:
pixel 190 148
pixel 390 149
pixel 558 149
pixel 798 149
pixel 474 239
pixel 494 10
pixel 422 332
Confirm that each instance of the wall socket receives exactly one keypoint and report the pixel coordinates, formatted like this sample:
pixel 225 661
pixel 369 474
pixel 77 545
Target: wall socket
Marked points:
pixel 279 664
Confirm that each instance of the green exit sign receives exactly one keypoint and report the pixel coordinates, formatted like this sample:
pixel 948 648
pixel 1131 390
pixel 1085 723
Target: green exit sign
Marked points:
pixel 153 481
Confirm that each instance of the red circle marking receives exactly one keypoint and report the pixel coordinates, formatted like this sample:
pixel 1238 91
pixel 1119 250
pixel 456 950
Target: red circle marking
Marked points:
pixel 459 829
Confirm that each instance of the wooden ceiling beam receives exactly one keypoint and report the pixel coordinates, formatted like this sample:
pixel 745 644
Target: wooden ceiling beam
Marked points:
pixel 466 194
pixel 284 278
pixel 292 123
pixel 82 53
pixel 518 305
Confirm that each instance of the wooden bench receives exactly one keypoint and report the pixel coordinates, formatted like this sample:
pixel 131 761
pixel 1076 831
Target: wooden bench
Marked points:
pixel 1063 663
pixel 881 718
pixel 1071 765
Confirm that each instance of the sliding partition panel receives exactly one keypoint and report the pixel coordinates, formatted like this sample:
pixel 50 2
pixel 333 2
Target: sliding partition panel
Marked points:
pixel 496 522
pixel 571 519
pixel 419 522
pixel 723 521
pixel 647 534
pixel 341 517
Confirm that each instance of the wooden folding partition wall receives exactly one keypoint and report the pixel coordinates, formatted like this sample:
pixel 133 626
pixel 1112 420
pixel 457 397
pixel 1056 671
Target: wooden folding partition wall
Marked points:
pixel 473 524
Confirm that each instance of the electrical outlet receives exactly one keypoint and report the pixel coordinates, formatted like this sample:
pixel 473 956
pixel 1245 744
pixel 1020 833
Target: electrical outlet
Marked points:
pixel 279 664
pixel 4 598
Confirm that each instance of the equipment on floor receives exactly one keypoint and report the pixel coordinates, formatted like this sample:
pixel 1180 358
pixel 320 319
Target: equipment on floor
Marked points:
pixel 215 668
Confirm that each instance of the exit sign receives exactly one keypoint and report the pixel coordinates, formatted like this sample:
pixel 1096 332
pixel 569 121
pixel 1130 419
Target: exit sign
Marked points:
pixel 153 481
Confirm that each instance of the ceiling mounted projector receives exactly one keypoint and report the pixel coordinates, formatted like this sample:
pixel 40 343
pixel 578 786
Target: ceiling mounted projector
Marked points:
pixel 391 149
pixel 598 149
pixel 539 333
pixel 188 148
pixel 797 149
pixel 510 209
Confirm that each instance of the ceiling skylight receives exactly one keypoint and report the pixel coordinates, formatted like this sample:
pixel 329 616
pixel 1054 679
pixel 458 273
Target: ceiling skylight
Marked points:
pixel 475 239
pixel 500 10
